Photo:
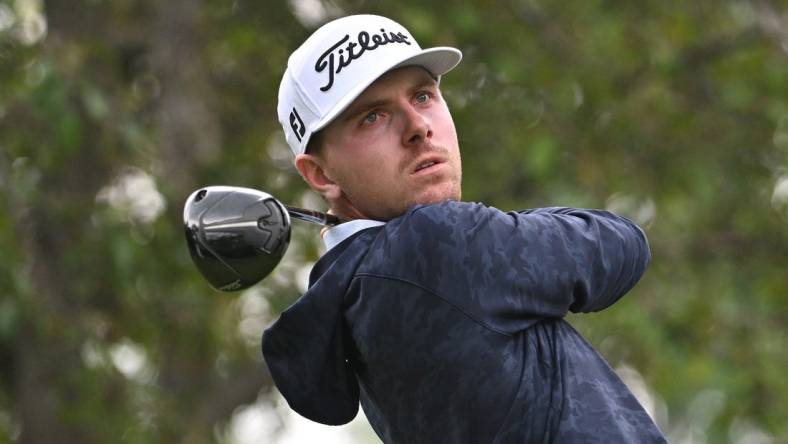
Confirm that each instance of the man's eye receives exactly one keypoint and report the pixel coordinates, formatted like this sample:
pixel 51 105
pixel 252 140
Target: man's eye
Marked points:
pixel 422 97
pixel 371 118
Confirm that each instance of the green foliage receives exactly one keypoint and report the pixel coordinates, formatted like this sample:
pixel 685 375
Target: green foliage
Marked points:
pixel 673 114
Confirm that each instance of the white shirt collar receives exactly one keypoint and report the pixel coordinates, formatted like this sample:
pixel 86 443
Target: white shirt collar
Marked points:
pixel 336 234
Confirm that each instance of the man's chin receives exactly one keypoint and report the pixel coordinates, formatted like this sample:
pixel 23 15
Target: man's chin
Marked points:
pixel 438 196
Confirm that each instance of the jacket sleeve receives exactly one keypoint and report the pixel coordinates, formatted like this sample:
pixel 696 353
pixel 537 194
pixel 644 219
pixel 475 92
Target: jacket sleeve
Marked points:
pixel 511 269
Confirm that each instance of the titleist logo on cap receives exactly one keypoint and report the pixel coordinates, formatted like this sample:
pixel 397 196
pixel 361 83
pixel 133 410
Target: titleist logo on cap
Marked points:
pixel 352 51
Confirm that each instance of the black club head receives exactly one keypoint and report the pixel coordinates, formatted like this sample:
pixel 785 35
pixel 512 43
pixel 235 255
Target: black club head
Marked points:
pixel 236 236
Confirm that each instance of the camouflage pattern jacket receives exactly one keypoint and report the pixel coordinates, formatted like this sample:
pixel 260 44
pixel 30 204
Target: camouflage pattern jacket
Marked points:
pixel 447 325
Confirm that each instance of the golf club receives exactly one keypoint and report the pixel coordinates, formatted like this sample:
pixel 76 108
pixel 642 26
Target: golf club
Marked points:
pixel 237 236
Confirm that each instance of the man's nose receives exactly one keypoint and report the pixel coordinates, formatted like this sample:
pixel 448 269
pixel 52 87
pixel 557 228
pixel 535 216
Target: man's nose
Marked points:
pixel 417 127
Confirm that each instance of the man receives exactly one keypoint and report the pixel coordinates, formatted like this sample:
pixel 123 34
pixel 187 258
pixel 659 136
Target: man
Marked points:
pixel 443 318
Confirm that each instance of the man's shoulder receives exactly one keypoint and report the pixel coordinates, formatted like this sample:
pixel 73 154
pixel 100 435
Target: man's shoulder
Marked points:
pixel 448 208
pixel 448 223
pixel 427 237
pixel 442 215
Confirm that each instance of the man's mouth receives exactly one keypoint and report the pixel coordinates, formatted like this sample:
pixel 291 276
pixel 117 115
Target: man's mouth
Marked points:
pixel 427 163
pixel 424 165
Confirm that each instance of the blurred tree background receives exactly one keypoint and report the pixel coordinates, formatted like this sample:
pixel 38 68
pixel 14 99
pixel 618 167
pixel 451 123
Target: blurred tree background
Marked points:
pixel 111 112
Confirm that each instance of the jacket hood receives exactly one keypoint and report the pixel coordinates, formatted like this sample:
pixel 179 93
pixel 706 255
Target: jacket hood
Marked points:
pixel 306 348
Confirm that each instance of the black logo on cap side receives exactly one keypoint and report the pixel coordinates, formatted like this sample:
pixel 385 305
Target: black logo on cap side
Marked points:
pixel 297 124
pixel 352 51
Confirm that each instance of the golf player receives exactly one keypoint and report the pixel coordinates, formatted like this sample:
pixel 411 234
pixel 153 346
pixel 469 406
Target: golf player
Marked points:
pixel 442 318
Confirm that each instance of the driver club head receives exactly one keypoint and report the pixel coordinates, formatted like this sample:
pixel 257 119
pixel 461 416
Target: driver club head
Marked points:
pixel 236 236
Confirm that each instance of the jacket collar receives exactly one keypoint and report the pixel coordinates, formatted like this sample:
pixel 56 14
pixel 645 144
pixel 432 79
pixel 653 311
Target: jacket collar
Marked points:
pixel 336 234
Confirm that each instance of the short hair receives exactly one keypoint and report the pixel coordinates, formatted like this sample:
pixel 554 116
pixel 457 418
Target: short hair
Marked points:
pixel 315 144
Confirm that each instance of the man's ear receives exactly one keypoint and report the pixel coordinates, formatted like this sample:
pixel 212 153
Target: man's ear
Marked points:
pixel 312 169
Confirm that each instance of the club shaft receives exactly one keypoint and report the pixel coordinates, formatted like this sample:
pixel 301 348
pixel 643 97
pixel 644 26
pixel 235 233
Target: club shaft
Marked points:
pixel 315 217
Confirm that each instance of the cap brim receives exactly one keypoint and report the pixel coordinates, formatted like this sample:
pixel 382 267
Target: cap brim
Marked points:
pixel 437 61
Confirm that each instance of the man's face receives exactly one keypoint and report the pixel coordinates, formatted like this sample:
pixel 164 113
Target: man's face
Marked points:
pixel 394 147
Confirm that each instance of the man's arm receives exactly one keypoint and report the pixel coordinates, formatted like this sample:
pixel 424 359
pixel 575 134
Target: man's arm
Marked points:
pixel 512 269
pixel 609 253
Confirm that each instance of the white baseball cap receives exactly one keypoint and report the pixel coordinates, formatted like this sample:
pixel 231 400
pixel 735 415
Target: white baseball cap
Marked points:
pixel 338 62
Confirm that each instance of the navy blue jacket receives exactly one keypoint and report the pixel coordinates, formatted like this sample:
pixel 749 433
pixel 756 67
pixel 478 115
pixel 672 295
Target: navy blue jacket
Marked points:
pixel 446 324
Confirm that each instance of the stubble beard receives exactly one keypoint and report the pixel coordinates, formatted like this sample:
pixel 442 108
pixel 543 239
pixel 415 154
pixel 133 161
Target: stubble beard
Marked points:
pixel 393 200
pixel 449 189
